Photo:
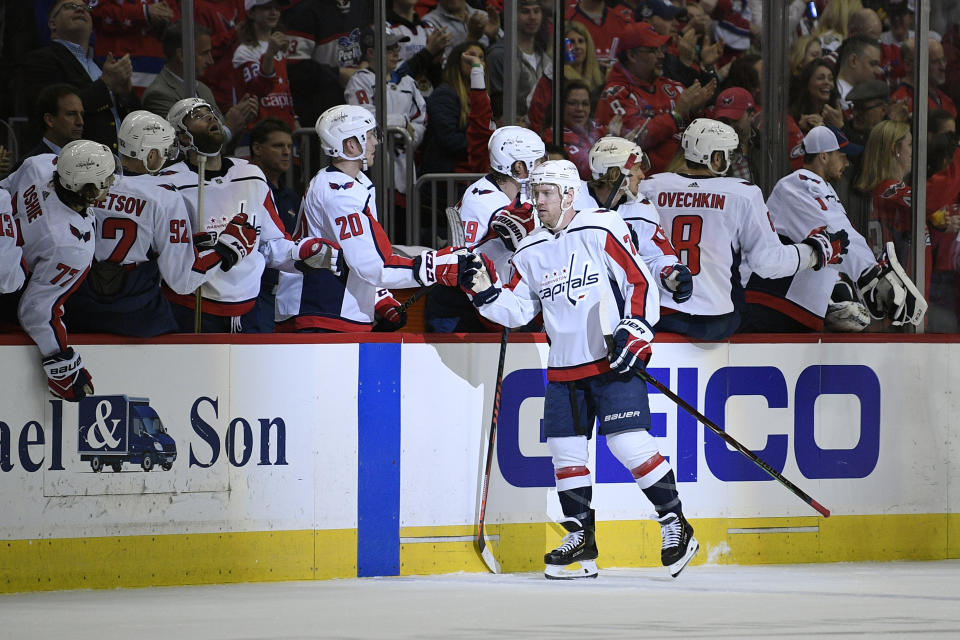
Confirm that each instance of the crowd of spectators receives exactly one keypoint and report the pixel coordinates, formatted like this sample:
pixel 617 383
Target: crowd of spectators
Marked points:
pixel 640 69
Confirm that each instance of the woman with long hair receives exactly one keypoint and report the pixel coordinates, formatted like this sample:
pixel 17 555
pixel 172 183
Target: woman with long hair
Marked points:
pixel 887 159
pixel 260 62
pixel 580 64
pixel 458 114
pixel 814 99
pixel 805 50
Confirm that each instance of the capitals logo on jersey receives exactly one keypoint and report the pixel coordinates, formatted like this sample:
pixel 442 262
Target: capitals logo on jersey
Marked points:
pixel 572 281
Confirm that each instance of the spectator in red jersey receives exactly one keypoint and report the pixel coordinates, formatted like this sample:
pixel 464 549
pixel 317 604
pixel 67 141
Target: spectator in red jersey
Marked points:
pixel 136 27
pixel 653 110
pixel 605 24
pixel 262 63
pixel 221 17
pixel 937 70
pixel 579 130
pixel 461 102
pixel 580 64
pixel 887 159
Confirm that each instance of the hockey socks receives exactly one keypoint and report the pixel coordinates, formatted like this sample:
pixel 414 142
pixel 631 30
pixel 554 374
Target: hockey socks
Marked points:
pixel 663 494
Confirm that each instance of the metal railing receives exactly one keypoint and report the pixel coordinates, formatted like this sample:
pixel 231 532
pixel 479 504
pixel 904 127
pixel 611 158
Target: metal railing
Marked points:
pixel 452 182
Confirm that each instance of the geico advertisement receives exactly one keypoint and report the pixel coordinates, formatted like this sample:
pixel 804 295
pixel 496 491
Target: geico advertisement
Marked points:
pixel 213 436
pixel 864 428
pixel 255 437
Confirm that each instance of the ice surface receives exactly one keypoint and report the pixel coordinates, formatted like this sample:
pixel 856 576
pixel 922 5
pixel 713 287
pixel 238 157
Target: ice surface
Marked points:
pixel 877 600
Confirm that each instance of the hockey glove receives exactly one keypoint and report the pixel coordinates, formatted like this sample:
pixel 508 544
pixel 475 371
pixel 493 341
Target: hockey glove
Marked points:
pixel 827 246
pixel 236 241
pixel 388 313
pixel 678 280
pixel 513 224
pixel 438 267
pixel 478 279
pixel 66 375
pixel 310 254
pixel 631 350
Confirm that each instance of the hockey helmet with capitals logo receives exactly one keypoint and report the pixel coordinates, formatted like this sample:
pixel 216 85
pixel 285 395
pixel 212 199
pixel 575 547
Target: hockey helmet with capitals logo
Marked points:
pixel 141 132
pixel 561 173
pixel 338 124
pixel 613 151
pixel 510 144
pixel 703 137
pixel 84 162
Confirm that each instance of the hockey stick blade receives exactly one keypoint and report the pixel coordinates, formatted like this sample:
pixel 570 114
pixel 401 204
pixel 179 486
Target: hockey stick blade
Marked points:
pixel 481 542
pixel 603 310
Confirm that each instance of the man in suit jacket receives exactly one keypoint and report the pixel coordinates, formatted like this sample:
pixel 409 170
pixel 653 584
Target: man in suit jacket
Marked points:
pixel 106 91
pixel 58 114
pixel 169 87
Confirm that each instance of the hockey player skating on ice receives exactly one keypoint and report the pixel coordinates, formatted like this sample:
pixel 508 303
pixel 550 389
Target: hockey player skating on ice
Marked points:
pixel 814 300
pixel 609 157
pixel 564 270
pixel 340 205
pixel 714 223
pixel 496 216
pixel 52 205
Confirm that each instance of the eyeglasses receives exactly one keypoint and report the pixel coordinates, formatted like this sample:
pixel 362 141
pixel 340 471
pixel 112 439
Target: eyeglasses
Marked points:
pixel 71 6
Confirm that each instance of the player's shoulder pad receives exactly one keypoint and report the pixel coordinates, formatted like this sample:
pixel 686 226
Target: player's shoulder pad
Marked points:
pixel 809 182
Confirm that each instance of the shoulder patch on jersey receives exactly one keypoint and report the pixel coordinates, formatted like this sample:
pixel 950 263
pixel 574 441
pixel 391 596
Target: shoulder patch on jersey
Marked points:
pixel 803 177
pixel 477 191
pixel 82 237
pixel 337 187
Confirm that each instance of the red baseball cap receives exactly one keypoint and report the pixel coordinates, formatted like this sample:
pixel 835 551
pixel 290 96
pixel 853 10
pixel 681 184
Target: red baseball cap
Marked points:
pixel 732 103
pixel 642 34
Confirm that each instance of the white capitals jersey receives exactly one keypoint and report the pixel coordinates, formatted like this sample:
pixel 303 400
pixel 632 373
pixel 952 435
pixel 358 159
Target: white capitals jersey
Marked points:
pixel 714 223
pixel 58 245
pixel 343 210
pixel 405 105
pixel 238 187
pixel 652 244
pixel 565 276
pixel 483 200
pixel 139 219
pixel 800 203
pixel 12 267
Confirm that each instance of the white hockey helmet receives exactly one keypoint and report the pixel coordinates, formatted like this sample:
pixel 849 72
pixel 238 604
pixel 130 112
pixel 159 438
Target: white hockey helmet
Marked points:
pixel 703 137
pixel 613 151
pixel 564 175
pixel 510 144
pixel 141 132
pixel 338 124
pixel 179 112
pixel 84 162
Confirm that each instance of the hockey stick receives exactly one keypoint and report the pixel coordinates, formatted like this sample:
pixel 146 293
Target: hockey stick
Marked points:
pixel 632 158
pixel 456 238
pixel 202 224
pixel 485 553
pixel 726 437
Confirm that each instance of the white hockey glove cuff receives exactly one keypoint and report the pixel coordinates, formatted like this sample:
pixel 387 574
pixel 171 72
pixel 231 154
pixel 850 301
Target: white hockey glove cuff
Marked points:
pixel 310 254
pixel 438 267
pixel 66 376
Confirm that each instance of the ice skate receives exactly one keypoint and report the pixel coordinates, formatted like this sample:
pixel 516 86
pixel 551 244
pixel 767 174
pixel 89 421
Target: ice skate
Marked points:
pixel 679 545
pixel 579 547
